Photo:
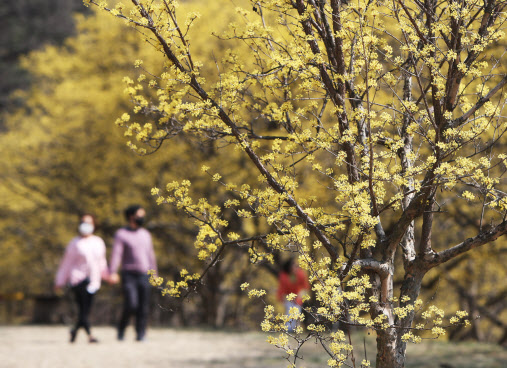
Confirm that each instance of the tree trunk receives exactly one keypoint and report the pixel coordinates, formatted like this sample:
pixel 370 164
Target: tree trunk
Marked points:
pixel 391 349
pixel 388 354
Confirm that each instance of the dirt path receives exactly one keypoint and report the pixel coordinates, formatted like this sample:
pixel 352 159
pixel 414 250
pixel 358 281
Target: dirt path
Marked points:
pixel 47 347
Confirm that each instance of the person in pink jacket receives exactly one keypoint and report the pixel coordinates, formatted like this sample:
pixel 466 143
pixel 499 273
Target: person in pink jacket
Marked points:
pixel 83 267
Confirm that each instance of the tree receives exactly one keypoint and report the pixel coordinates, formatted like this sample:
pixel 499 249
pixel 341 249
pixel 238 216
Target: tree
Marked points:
pixel 25 26
pixel 394 109
pixel 62 157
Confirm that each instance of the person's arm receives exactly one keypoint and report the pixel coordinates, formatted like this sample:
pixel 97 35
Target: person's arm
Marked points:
pixel 97 265
pixel 104 271
pixel 305 285
pixel 93 263
pixel 282 286
pixel 116 256
pixel 66 264
pixel 151 257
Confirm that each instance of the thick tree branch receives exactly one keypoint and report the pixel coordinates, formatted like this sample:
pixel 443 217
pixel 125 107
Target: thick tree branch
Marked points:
pixel 469 244
pixel 427 227
pixel 370 264
pixel 462 119
pixel 408 240
pixel 414 210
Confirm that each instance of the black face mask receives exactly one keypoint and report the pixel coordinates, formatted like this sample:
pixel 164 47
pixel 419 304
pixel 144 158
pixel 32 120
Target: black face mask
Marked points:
pixel 139 221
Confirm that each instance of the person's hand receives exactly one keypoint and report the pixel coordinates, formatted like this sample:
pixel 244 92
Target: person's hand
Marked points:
pixel 114 278
pixel 58 290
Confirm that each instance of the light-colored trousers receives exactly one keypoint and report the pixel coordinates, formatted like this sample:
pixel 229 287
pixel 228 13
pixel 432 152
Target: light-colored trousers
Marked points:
pixel 291 325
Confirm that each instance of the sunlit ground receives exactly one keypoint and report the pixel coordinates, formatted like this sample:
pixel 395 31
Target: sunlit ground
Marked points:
pixel 47 347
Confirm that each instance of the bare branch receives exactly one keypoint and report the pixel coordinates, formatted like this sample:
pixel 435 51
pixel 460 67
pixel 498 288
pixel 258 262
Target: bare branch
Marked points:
pixel 457 122
pixel 469 244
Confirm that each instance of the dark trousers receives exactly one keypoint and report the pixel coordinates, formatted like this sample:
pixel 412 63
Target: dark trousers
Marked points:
pixel 84 303
pixel 136 298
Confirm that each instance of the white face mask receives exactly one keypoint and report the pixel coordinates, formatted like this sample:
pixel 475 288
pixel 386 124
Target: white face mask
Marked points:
pixel 85 228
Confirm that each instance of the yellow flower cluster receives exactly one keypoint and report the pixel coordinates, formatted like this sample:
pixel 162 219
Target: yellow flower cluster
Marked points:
pixel 173 288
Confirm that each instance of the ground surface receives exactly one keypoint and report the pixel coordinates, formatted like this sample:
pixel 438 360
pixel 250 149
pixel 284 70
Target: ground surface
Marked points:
pixel 47 347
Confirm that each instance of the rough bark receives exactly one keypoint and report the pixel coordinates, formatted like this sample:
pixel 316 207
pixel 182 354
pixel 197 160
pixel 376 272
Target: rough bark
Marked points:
pixel 391 349
pixel 387 353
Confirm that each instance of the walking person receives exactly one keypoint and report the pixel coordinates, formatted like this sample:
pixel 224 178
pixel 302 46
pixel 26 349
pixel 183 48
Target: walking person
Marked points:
pixel 133 251
pixel 83 267
pixel 292 280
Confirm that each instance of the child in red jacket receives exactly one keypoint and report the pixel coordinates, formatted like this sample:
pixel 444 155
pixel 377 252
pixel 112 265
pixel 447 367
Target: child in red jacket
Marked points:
pixel 292 280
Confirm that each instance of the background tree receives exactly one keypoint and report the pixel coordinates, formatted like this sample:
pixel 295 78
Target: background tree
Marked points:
pixel 394 109
pixel 25 26
pixel 62 155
